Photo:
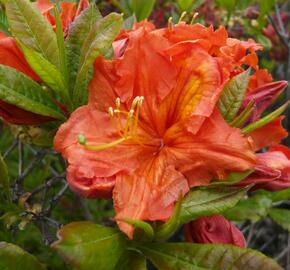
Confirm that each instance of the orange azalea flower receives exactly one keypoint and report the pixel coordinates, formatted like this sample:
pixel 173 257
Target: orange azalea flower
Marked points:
pixel 151 129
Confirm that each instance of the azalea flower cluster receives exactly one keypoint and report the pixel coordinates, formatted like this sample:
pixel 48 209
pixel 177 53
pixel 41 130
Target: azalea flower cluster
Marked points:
pixel 152 128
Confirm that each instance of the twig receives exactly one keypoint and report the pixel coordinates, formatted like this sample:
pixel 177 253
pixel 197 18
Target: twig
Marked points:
pixel 10 149
pixel 53 202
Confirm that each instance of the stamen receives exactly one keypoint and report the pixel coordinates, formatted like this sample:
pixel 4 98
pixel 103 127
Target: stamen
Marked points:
pixel 113 121
pixel 118 113
pixel 82 141
pixel 194 17
pixel 118 103
pixel 126 132
pixel 140 102
pixel 183 15
pixel 170 23
pixel 129 122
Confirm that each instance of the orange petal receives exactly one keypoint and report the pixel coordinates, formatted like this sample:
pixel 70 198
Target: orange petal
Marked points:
pixel 213 152
pixel 269 135
pixel 91 171
pixel 68 13
pixel 259 78
pixel 11 56
pixel 149 193
pixel 44 6
pixel 197 89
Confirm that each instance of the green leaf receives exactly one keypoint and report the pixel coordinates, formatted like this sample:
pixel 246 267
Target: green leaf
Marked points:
pixel 266 120
pixel 232 178
pixel 185 5
pixel 13 257
pixel 253 208
pixel 85 245
pixel 281 217
pixel 18 89
pixel 142 8
pixel 232 96
pixel 169 227
pixel 280 195
pixel 60 44
pixel 97 42
pixel 3 22
pixel 4 178
pixel 185 256
pixel 47 72
pixel 133 260
pixel 78 33
pixel 142 225
pixel 129 22
pixel 264 41
pixel 209 201
pixel 243 116
pixel 32 29
pixel 266 6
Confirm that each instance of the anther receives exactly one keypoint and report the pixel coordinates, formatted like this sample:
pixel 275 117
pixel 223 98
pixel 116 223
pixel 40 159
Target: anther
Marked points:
pixel 194 17
pixel 111 112
pixel 183 15
pixel 170 23
pixel 135 102
pixel 118 103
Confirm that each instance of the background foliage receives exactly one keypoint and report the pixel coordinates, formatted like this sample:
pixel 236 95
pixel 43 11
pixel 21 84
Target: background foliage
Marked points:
pixel 44 202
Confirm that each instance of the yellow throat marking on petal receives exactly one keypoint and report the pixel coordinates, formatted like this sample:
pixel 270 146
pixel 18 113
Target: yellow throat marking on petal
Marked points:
pixel 126 131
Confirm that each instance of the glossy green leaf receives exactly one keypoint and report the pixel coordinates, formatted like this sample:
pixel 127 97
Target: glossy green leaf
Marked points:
pixel 85 245
pixel 13 257
pixel 265 120
pixel 77 34
pixel 253 208
pixel 185 256
pixel 209 201
pixel 32 29
pixel 232 96
pixel 97 42
pixel 47 72
pixel 132 261
pixel 142 8
pixel 18 89
pixel 281 217
pixel 60 44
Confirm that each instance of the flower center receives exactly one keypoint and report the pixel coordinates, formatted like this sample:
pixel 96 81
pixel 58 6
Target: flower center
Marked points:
pixel 126 129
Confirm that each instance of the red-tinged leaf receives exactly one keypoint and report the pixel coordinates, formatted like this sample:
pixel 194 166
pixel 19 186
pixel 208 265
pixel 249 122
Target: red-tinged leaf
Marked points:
pixel 85 245
pixel 184 256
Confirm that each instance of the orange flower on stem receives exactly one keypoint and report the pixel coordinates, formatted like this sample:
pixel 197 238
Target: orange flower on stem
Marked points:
pixel 151 129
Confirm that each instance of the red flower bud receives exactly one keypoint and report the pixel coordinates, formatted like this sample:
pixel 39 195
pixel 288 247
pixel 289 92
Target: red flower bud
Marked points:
pixel 214 229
